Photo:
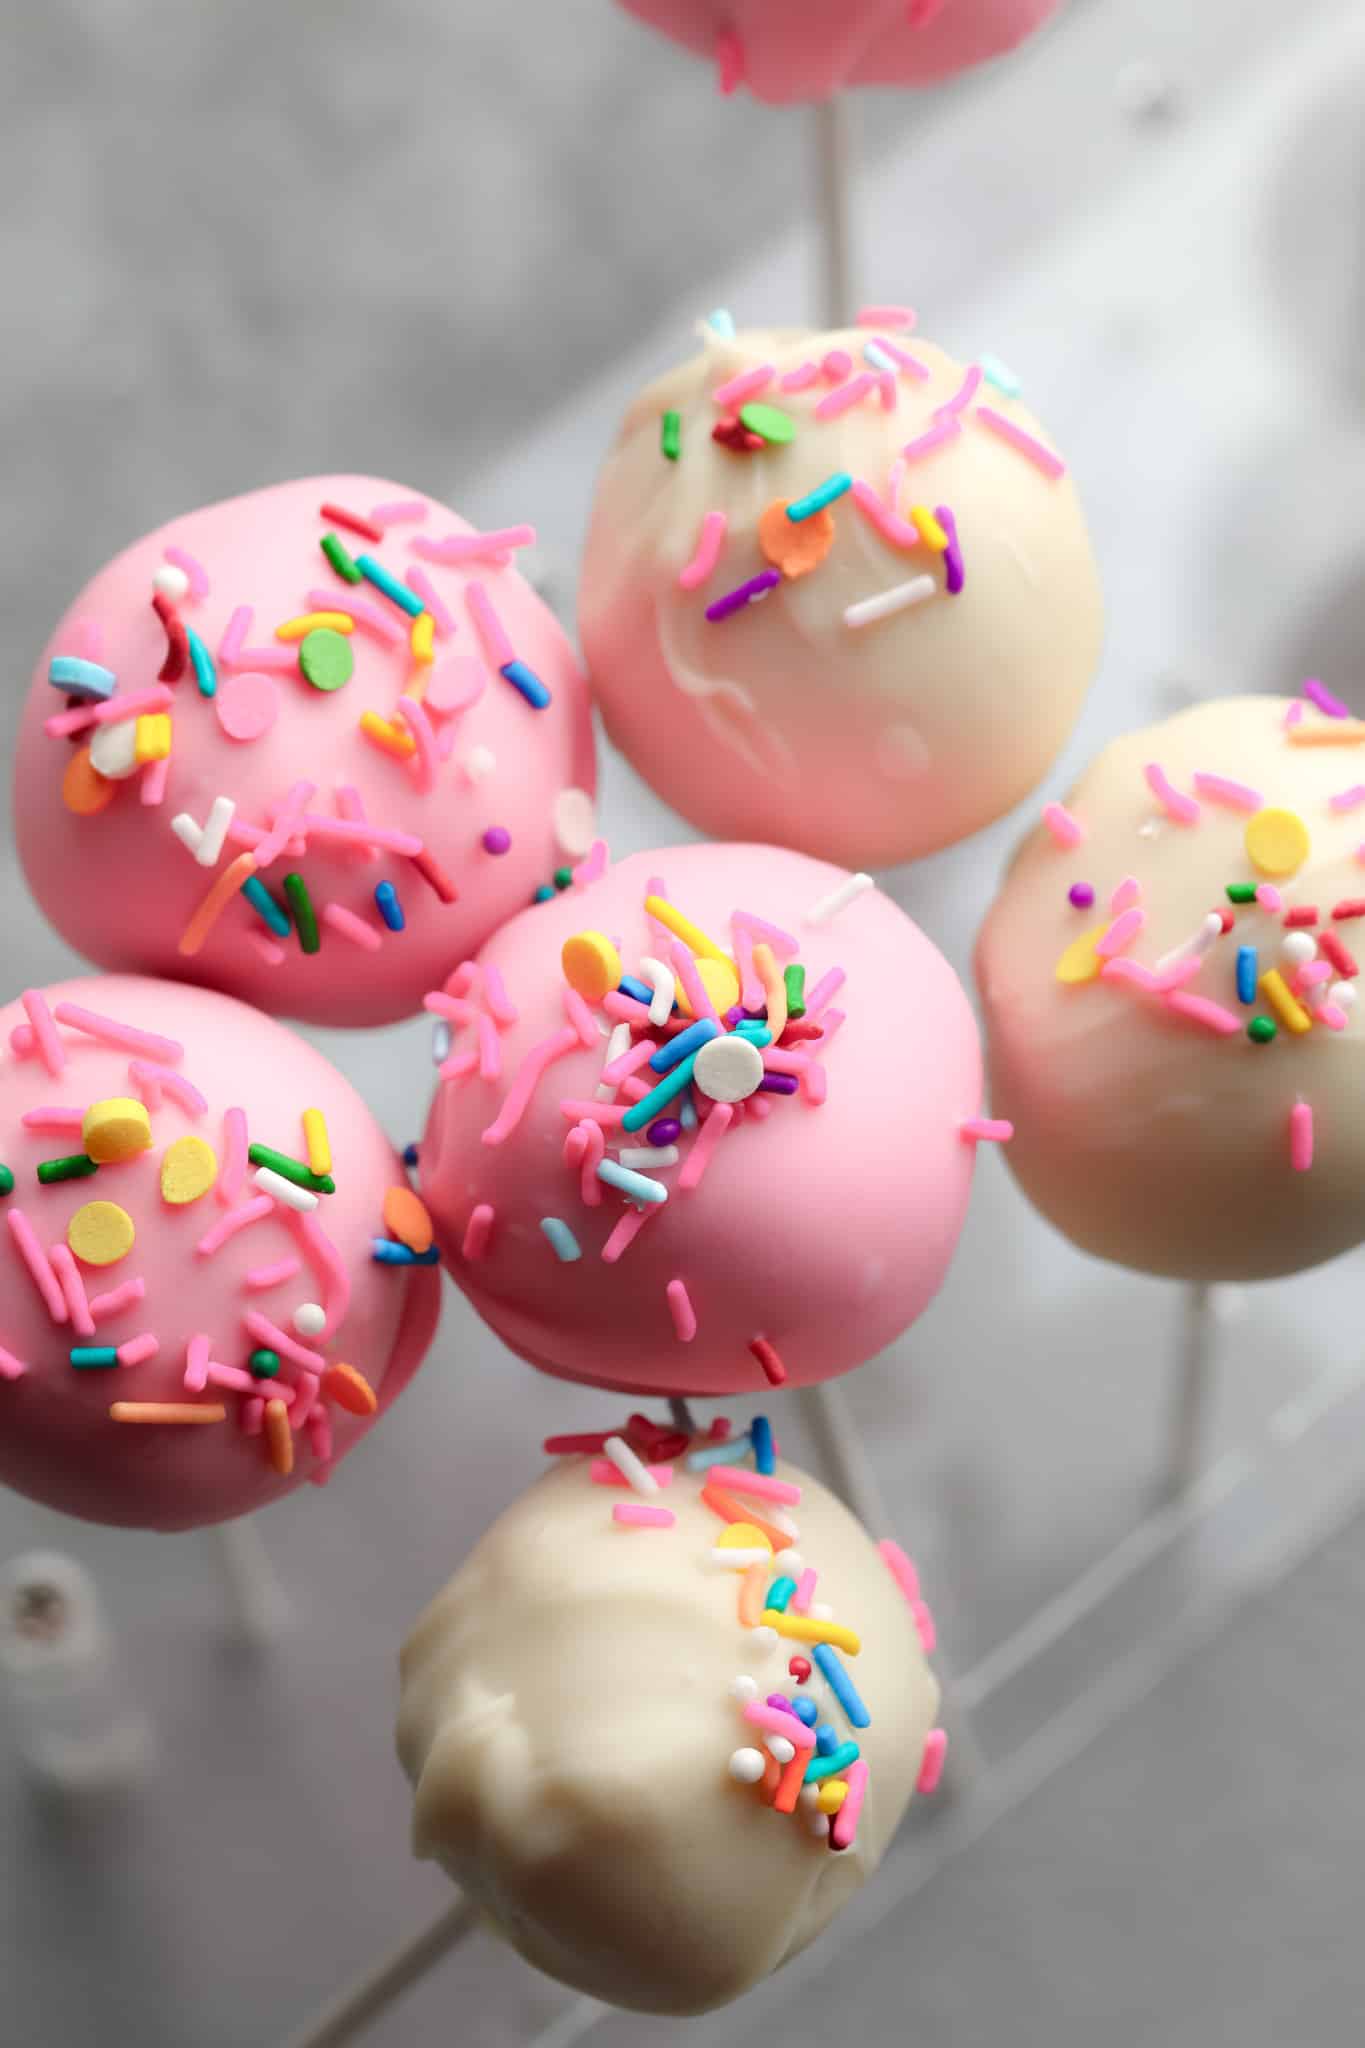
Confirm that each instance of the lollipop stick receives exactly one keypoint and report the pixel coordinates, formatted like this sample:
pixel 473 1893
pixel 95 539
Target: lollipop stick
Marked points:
pixel 352 2011
pixel 256 1599
pixel 681 1416
pixel 834 149
pixel 1193 1390
pixel 850 1472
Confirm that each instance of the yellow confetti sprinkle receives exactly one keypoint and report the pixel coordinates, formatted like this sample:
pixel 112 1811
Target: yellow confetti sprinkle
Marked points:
pixel 742 1536
pixel 100 1234
pixel 1080 962
pixel 117 1128
pixel 1277 841
pixel 591 965
pixel 189 1167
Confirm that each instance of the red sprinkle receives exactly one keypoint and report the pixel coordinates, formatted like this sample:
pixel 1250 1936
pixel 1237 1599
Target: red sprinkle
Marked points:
pixel 565 1446
pixel 800 1031
pixel 774 1371
pixel 432 872
pixel 339 516
pixel 1331 948
pixel 799 1668
pixel 1354 906
pixel 178 643
pixel 731 434
pixel 1225 918
pixel 1306 914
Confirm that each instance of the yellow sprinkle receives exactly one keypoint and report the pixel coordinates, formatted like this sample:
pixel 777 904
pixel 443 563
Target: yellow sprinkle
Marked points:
pixel 151 737
pixel 684 929
pixel 189 1168
pixel 804 1628
pixel 423 637
pixel 591 965
pixel 392 738
pixel 117 1128
pixel 742 1536
pixel 721 982
pixel 1284 1002
pixel 317 1141
pixel 308 622
pixel 1080 962
pixel 831 1795
pixel 100 1234
pixel 1339 732
pixel 927 527
pixel 1277 841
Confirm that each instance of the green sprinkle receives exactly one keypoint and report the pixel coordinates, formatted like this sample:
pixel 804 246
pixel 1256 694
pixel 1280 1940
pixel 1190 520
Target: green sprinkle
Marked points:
pixel 326 659
pixel 670 435
pixel 1241 892
pixel 264 1364
pixel 93 1357
pixel 795 978
pixel 305 917
pixel 339 559
pixel 76 1167
pixel 563 877
pixel 774 426
pixel 1261 1030
pixel 291 1169
pixel 6 1181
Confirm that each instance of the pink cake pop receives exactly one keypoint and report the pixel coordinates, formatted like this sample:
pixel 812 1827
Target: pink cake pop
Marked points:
pixel 320 741
pixel 786 1211
pixel 188 1330
pixel 785 50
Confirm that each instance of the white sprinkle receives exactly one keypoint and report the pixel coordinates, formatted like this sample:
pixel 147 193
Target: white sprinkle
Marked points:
pixel 171 582
pixel 271 1183
pixel 113 750
pixel 780 1519
pixel 838 899
pixel 1198 943
pixel 898 599
pixel 1298 947
pixel 566 1245
pixel 1343 993
pixel 818 1823
pixel 440 1041
pixel 809 1796
pixel 735 1559
pixel 792 1561
pixel 763 1641
pixel 747 1766
pixel 187 832
pixel 628 1465
pixel 664 984
pixel 479 763
pixel 728 1069
pixel 779 1747
pixel 744 1688
pixel 639 1156
pixel 618 1043
pixel 221 813
pixel 310 1319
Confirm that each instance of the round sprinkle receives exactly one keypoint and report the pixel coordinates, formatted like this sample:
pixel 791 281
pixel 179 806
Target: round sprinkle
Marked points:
pixel 309 1319
pixel 728 1069
pixel 805 1709
pixel 666 1130
pixel 406 1218
pixel 1343 994
pixel 591 964
pixel 747 1766
pixel 744 1688
pixel 1080 895
pixel 1297 947
pixel 573 817
pixel 799 1668
pixel 247 705
pixel 326 659
pixel 794 547
pixel 562 877
pixel 189 1167
pixel 763 1640
pixel 264 1365
pixel 1277 841
pixel 742 1536
pixel 117 1128
pixel 6 1181
pixel 497 839
pixel 84 789
pixel 100 1233
pixel 1261 1030
pixel 769 421
pixel 171 582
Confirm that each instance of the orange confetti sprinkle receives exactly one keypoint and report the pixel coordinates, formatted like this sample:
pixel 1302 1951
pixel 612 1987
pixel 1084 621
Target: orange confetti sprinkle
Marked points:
pixel 795 546
pixel 406 1218
pixel 84 789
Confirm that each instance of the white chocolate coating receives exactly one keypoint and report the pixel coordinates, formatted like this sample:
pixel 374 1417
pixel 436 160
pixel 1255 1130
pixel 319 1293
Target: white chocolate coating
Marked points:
pixel 781 722
pixel 567 1723
pixel 1144 1136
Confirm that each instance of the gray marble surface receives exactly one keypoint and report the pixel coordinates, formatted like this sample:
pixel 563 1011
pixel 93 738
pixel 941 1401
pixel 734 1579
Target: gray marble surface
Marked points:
pixel 244 241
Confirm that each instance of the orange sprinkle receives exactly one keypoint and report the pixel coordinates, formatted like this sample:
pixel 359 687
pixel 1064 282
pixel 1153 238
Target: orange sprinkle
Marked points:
pixel 167 1411
pixel 391 738
pixel 1340 732
pixel 280 1437
pixel 752 1590
pixel 84 789
pixel 731 1510
pixel 795 546
pixel 406 1218
pixel 790 1783
pixel 216 902
pixel 350 1390
pixel 774 988
pixel 772 1775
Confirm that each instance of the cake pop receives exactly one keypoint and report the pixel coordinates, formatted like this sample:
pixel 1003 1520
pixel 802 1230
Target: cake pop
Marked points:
pixel 658 1746
pixel 708 1121
pixel 785 50
pixel 215 1271
pixel 1168 975
pixel 838 592
pixel 305 746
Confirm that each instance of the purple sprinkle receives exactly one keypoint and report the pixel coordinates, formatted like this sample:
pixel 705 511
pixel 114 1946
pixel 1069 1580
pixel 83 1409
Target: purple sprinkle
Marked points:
pixel 1324 699
pixel 1081 895
pixel 733 1015
pixel 497 839
pixel 778 1699
pixel 952 554
pixel 735 600
pixel 779 1084
pixel 666 1131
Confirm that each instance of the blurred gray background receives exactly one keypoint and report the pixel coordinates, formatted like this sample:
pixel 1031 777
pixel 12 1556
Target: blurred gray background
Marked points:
pixel 241 241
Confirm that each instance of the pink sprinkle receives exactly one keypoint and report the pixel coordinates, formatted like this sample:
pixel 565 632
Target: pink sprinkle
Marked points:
pixel 108 1032
pixel 51 1118
pixel 138 1349
pixel 835 365
pixel 1332 1015
pixel 320 1443
pixel 478 1230
pixel 636 1515
pixel 1348 799
pixel 581 1018
pixel 931 1764
pixel 1174 802
pixel 358 832
pixel 234 634
pixel 1120 934
pixel 1236 795
pixel 1128 892
pixel 275 1339
pixel 1200 1010
pixel 704 1144
pixel 114 711
pixel 625 1234
pixel 269 949
pixel 286 823
pixel 1269 897
pixel 603 1472
pixel 777 1721
pixel 31 1252
pixel 924 1627
pixel 237 1381
pixel 417 579
pixel 425 760
pixel 801 378
pixel 1301 1137
pixel 232 1171
pixel 88 639
pixel 1066 830
pixel 917 369
pixel 924 444
pixel 153 780
pixel 965 393
pixel 629 1062
pixel 1318 694
pixel 306 1398
pixel 1043 458
pixel 156 1080
pixel 993 1129
pixel 845 397
pixel 824 992
pixel 805 1591
pixel 72 1286
pixel 197 1354
pixel 1294 714
pixel 333 1275
pixel 887 316
pixel 900 1568
pixel 693 987
pixel 274 660
pixel 815 1085
pixel 584 1149
pixel 707 552
pixel 1186 968
pixel 888 523
pixel 351 927
pixel 253 1416
pixel 254 1211
pixel 398 511
pixel 524 1085
pixel 103 1306
pixel 11 1368
pixel 475 547
pixel 195 570
pixel 489 626
pixel 758 1485
pixel 351 806
pixel 681 1309
pixel 747 384
pixel 382 624
pixel 844 1826
pixel 260 1277
pixel 593 865
pixel 886 389
pixel 45 1036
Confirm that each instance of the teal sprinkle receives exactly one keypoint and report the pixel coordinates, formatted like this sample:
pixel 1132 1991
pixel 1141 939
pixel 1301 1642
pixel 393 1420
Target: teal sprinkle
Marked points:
pixel 264 904
pixel 830 1766
pixel 995 372
pixel 93 1357
pixel 204 672
pixel 779 1595
pixel 566 1245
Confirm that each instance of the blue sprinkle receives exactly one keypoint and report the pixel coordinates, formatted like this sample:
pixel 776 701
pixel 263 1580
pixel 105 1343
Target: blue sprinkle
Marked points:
pixel 544 894
pixel 93 1357
pixel 79 678
pixel 876 355
pixel 638 1186
pixel 722 322
pixel 761 1436
pixel 410 1155
pixel 1246 974
pixel 840 1684
pixel 805 1710
pixel 824 494
pixel 386 1251
pixel 527 681
pixel 826 1738
pixel 830 1765
pixel 264 904
pixel 638 991
pixel 690 1041
pixel 390 909
pixel 566 1245
pixel 995 372
pixel 204 672
pixel 687 1112
pixel 779 1595
pixel 723 1453
pixel 649 1106
pixel 406 600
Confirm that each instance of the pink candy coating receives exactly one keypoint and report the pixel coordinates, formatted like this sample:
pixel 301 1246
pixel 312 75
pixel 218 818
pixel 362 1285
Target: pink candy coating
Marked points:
pixel 120 887
pixel 827 1230
pixel 58 1443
